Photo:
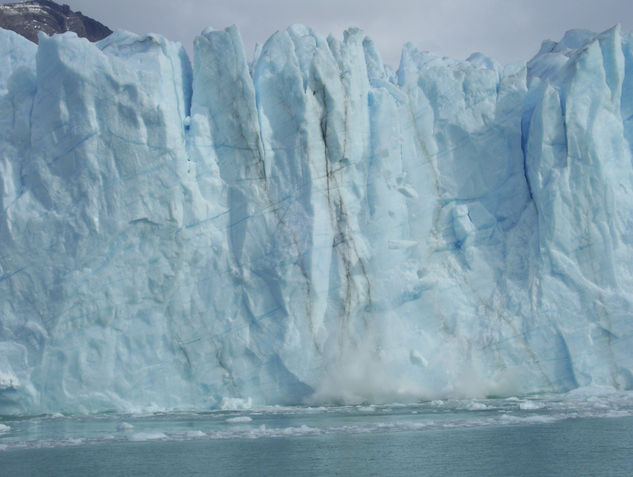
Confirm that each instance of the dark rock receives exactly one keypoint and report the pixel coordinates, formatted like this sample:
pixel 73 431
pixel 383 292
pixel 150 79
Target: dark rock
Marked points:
pixel 29 18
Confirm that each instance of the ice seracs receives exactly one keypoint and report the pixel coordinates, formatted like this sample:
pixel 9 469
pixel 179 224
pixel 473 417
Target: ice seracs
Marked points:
pixel 310 226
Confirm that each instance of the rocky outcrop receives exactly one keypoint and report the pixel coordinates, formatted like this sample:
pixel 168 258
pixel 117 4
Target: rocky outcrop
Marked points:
pixel 29 18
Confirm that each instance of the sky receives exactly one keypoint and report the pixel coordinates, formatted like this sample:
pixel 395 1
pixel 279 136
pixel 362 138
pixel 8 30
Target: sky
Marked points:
pixel 506 30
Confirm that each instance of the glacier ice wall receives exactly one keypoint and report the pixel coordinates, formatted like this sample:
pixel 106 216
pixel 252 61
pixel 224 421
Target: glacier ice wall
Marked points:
pixel 310 226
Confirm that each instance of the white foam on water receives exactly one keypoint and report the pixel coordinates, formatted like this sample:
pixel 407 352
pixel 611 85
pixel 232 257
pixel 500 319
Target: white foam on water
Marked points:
pixel 535 419
pixel 268 432
pixel 618 413
pixel 4 428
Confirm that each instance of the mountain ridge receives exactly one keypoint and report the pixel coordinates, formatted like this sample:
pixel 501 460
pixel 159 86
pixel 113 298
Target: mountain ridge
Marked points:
pixel 29 18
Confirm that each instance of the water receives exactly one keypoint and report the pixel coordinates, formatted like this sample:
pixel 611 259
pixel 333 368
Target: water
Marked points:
pixel 574 434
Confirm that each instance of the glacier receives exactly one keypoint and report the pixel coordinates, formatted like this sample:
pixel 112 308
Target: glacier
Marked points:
pixel 310 226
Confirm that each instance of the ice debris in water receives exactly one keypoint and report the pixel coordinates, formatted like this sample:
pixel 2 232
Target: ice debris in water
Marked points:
pixel 125 426
pixel 239 419
pixel 147 436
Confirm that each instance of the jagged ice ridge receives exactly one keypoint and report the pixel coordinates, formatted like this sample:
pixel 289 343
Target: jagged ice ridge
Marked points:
pixel 310 226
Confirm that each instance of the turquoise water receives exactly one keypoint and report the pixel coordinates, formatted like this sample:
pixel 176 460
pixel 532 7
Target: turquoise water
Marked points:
pixel 575 434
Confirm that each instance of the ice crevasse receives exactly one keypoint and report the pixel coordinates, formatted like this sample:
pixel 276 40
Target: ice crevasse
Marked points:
pixel 310 226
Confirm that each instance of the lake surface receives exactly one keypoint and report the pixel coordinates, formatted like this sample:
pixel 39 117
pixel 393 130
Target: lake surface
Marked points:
pixel 575 434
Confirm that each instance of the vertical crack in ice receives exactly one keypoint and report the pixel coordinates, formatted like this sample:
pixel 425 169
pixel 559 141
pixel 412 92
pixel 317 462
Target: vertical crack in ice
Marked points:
pixel 428 158
pixel 343 241
pixel 272 205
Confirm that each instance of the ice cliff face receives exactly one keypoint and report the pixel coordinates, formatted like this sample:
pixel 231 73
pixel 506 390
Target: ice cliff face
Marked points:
pixel 312 225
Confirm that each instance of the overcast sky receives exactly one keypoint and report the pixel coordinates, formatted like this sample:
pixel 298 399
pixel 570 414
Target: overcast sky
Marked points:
pixel 507 30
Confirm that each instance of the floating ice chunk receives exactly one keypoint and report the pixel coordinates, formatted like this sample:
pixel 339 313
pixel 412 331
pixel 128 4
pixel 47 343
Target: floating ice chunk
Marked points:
pixel 530 405
pixel 74 441
pixel 297 431
pixel 147 436
pixel 476 406
pixel 239 419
